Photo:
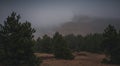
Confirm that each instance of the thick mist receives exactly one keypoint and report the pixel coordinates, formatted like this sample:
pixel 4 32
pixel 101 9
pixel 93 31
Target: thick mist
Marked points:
pixel 48 15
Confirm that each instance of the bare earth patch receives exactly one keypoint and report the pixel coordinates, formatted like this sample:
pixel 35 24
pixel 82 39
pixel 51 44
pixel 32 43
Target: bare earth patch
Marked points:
pixel 83 59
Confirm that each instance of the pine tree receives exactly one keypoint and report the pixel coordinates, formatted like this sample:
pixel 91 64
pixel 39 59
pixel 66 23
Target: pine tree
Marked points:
pixel 38 45
pixel 46 45
pixel 61 50
pixel 17 42
pixel 111 44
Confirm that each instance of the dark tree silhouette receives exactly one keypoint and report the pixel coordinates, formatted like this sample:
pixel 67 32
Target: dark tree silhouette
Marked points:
pixel 89 43
pixel 72 42
pixel 61 50
pixel 16 40
pixel 92 43
pixel 111 44
pixel 37 45
pixel 46 44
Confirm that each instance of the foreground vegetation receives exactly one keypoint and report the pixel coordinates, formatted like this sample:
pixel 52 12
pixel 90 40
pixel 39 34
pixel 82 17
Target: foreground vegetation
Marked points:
pixel 16 43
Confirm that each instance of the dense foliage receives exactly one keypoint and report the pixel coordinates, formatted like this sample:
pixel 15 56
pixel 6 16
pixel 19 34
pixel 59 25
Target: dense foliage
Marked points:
pixel 44 45
pixel 16 43
pixel 60 47
pixel 90 42
pixel 111 44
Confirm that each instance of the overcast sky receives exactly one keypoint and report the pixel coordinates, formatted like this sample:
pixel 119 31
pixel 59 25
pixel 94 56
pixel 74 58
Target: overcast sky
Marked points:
pixel 47 13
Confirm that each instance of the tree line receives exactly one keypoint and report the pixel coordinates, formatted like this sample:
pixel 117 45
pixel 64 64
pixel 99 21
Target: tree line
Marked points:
pixel 90 43
pixel 17 44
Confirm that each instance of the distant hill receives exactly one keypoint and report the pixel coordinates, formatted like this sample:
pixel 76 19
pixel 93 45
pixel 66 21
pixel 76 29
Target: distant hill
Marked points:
pixel 85 25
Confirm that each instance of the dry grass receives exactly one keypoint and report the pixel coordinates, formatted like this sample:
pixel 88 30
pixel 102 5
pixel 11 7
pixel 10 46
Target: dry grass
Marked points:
pixel 81 59
pixel 44 56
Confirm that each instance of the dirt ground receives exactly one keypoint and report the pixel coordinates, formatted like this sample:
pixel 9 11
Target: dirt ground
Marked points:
pixel 81 59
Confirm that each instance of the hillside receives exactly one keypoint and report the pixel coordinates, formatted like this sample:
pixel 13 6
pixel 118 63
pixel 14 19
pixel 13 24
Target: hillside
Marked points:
pixel 87 25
